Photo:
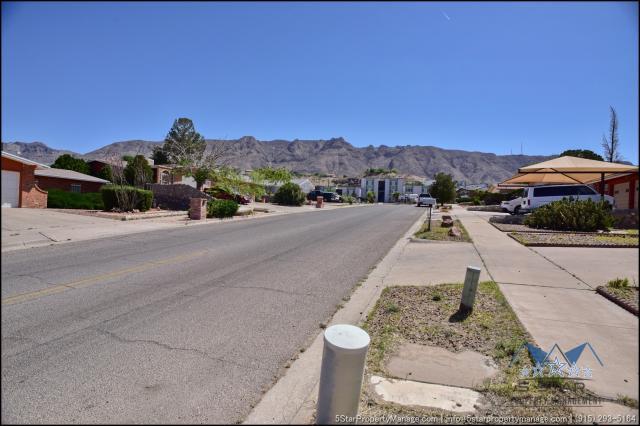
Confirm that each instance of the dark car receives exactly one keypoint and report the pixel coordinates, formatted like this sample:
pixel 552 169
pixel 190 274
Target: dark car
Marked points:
pixel 313 195
pixel 326 196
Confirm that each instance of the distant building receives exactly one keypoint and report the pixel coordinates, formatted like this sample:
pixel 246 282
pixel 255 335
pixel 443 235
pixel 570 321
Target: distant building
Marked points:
pixel 349 186
pixel 383 187
pixel 467 190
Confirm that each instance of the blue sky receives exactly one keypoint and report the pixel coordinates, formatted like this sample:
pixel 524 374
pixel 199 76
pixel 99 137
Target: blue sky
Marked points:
pixel 471 76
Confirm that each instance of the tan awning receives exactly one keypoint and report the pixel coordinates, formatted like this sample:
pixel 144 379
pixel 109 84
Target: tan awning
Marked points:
pixel 567 170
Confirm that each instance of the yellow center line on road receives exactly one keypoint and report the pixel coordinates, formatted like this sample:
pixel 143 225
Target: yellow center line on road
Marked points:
pixel 85 282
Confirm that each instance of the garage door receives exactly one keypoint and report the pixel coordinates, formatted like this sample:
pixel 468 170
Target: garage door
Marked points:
pixel 10 188
pixel 621 195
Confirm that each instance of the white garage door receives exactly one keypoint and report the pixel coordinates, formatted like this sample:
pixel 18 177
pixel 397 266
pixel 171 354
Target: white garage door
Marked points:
pixel 10 188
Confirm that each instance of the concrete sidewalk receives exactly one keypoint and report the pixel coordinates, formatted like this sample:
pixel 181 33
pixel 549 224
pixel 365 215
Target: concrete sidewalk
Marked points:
pixel 552 293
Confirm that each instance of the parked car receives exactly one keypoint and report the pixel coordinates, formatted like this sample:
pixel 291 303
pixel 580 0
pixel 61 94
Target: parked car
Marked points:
pixel 425 199
pixel 224 195
pixel 408 198
pixel 536 196
pixel 331 197
pixel 512 206
pixel 327 196
pixel 313 195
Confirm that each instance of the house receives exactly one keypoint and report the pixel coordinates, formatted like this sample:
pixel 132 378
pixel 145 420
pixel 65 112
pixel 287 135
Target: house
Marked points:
pixel 19 185
pixel 349 186
pixel 623 188
pixel 162 173
pixel 67 180
pixel 417 185
pixel 305 185
pixel 469 190
pixel 383 186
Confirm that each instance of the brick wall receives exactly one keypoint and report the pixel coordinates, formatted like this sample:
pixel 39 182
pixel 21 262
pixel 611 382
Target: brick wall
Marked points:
pixel 31 195
pixel 176 196
pixel 47 183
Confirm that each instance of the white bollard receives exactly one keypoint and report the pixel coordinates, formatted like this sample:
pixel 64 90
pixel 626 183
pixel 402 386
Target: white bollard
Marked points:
pixel 343 358
pixel 470 286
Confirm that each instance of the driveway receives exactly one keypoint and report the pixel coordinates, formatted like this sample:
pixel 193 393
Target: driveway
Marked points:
pixel 182 325
pixel 42 227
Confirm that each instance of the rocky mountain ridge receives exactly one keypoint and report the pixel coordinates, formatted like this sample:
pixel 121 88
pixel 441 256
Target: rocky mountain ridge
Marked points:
pixel 331 156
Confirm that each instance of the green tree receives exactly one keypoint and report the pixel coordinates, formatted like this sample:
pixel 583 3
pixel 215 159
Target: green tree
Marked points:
pixel 201 175
pixel 183 145
pixel 271 176
pixel 105 173
pixel 128 158
pixel 68 162
pixel 443 189
pixel 138 172
pixel 159 156
pixel 379 171
pixel 582 153
pixel 611 145
pixel 289 194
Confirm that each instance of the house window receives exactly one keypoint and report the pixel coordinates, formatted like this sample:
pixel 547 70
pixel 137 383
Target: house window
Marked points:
pixel 76 187
pixel 165 178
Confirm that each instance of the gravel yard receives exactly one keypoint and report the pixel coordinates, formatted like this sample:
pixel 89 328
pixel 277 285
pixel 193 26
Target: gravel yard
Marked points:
pixel 566 239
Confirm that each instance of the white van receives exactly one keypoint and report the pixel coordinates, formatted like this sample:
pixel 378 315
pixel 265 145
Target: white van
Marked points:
pixel 536 196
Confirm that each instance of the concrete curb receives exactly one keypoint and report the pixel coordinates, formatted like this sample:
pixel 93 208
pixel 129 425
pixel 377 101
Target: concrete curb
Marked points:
pixel 601 290
pixel 292 400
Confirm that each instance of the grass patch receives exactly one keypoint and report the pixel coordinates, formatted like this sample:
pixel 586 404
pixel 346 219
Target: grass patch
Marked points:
pixel 428 316
pixel 628 401
pixel 439 233
pixel 621 288
pixel 618 283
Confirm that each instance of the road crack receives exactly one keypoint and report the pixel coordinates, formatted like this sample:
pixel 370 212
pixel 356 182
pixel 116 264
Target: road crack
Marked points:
pixel 174 348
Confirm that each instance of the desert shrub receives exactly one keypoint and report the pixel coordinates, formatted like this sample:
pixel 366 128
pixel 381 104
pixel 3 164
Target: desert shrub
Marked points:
pixel 59 199
pixel 618 283
pixel 571 215
pixel 348 199
pixel 289 194
pixel 371 197
pixel 126 198
pixel 221 208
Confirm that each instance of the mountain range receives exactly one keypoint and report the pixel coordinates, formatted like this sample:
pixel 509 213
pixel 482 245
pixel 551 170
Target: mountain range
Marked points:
pixel 332 156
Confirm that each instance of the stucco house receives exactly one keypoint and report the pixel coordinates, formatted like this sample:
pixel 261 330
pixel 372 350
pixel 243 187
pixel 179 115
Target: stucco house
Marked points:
pixel 623 188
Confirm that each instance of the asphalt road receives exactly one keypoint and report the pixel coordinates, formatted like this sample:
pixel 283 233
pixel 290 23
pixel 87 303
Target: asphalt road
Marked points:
pixel 181 326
